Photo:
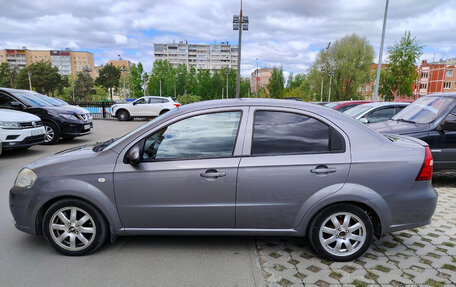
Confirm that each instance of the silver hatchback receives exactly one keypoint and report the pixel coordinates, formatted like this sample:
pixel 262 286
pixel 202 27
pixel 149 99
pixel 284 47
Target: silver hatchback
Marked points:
pixel 232 167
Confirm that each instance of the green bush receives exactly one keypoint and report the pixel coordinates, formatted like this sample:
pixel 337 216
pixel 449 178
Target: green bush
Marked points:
pixel 188 99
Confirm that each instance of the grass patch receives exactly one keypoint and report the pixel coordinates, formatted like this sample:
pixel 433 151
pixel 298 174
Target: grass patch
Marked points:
pixel 371 275
pixel 359 283
pixel 335 275
pixel 434 283
pixel 284 282
pixel 449 244
pixel 382 268
pixel 449 267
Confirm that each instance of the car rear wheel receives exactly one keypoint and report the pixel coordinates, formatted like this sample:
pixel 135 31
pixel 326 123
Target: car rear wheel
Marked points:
pixel 74 227
pixel 51 133
pixel 123 115
pixel 163 111
pixel 341 232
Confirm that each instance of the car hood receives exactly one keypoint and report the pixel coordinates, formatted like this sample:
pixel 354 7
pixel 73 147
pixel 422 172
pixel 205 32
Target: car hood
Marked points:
pixel 400 128
pixel 74 110
pixel 16 116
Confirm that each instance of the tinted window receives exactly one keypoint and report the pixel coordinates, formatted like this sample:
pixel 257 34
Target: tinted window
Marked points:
pixel 288 133
pixel 347 107
pixel 155 101
pixel 140 101
pixel 209 135
pixel 381 115
pixel 5 100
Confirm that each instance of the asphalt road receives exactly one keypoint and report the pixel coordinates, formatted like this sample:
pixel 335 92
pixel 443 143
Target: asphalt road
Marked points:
pixel 27 260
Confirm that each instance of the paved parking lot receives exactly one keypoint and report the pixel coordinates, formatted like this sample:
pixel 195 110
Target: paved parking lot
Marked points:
pixel 420 256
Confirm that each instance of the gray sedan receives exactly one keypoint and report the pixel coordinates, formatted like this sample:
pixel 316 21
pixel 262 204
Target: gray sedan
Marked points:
pixel 232 167
pixel 375 112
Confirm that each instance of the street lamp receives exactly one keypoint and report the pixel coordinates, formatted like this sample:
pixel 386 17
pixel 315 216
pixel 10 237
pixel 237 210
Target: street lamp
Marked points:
pixel 30 80
pixel 257 79
pixel 227 72
pixel 240 23
pixel 380 55
pixel 123 70
pixel 322 69
pixel 332 66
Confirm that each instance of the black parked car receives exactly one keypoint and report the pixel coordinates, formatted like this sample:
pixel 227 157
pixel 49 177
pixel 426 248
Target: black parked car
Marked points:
pixel 59 120
pixel 432 119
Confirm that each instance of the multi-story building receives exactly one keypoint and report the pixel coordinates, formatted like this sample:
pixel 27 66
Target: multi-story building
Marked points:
pixel 260 79
pixel 436 77
pixel 200 56
pixel 68 62
pixel 120 64
pixel 61 60
pixel 82 61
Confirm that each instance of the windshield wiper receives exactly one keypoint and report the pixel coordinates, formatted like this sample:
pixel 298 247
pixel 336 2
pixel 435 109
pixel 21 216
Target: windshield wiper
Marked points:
pixel 103 145
pixel 405 121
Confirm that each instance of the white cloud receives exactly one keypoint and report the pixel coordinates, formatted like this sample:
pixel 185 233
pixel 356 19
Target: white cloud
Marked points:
pixel 284 33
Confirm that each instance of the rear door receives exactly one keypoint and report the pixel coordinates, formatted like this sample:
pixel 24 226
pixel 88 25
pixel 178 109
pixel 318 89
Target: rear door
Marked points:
pixel 288 156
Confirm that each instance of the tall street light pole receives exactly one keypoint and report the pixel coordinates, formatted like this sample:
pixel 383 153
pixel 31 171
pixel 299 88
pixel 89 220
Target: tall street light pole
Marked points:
pixel 257 79
pixel 240 23
pixel 30 80
pixel 332 69
pixel 122 69
pixel 227 72
pixel 322 68
pixel 380 55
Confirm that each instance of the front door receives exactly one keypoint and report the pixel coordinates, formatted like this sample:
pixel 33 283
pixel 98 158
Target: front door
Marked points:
pixel 139 107
pixel 443 143
pixel 187 177
pixel 292 156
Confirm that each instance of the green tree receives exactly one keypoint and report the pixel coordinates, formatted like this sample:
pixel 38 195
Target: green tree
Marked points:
pixel 350 58
pixel 400 74
pixel 5 76
pixel 45 78
pixel 162 75
pixel 108 77
pixel 136 80
pixel 276 83
pixel 83 86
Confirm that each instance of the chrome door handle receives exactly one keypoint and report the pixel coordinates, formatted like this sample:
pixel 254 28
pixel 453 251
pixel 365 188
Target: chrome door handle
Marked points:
pixel 212 174
pixel 323 170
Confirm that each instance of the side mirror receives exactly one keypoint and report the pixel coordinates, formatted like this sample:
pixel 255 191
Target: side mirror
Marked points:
pixel 17 105
pixel 363 120
pixel 134 155
pixel 134 103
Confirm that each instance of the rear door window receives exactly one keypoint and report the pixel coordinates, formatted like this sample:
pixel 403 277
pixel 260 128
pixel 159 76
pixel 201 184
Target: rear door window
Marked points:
pixel 381 115
pixel 282 133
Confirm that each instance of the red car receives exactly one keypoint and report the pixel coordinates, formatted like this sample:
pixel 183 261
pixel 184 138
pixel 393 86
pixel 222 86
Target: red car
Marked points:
pixel 342 106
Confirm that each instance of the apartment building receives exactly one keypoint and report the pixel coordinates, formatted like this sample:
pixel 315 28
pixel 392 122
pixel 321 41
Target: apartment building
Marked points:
pixel 436 77
pixel 120 64
pixel 200 56
pixel 68 62
pixel 259 78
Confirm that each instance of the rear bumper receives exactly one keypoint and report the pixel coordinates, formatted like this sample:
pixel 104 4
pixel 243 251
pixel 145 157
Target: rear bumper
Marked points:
pixel 413 208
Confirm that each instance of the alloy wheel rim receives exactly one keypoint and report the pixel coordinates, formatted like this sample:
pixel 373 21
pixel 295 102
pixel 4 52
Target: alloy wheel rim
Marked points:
pixel 72 228
pixel 342 234
pixel 49 134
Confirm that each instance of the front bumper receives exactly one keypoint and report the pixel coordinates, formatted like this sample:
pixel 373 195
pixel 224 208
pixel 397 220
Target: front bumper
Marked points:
pixel 22 206
pixel 76 129
pixel 26 142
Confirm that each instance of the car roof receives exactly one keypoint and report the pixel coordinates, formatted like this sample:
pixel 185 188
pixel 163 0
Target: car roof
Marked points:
pixel 450 94
pixel 381 104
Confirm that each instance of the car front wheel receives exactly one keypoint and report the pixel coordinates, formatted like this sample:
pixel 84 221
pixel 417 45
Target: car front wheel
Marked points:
pixel 123 115
pixel 74 227
pixel 51 133
pixel 341 232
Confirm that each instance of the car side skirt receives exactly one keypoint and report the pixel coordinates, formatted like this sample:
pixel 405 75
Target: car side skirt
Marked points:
pixel 207 231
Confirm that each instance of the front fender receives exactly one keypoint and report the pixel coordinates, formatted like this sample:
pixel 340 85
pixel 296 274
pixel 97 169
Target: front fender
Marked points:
pixel 350 192
pixel 72 187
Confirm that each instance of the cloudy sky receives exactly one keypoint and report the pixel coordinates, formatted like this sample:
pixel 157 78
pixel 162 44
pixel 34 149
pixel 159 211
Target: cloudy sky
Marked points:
pixel 285 33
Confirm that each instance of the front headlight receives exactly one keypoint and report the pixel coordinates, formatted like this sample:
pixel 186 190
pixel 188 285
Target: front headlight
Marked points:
pixel 10 125
pixel 25 179
pixel 69 116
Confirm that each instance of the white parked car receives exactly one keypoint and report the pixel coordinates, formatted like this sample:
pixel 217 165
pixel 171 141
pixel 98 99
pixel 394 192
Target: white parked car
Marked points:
pixel 143 107
pixel 19 130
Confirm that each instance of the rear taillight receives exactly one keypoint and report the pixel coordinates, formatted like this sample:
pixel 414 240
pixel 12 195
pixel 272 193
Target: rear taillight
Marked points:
pixel 427 167
pixel 176 105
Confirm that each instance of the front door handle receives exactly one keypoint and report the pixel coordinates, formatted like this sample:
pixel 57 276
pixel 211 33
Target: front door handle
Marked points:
pixel 322 169
pixel 212 173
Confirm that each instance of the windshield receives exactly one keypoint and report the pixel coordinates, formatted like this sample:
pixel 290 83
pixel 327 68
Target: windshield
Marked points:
pixel 424 110
pixel 357 111
pixel 33 99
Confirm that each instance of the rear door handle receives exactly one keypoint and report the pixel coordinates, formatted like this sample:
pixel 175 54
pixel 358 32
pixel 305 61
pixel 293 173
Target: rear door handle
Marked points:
pixel 322 169
pixel 212 173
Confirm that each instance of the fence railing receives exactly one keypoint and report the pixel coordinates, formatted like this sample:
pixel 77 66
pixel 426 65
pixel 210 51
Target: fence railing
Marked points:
pixel 98 110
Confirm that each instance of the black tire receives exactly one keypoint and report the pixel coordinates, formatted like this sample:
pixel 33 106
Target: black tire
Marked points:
pixel 68 137
pixel 163 111
pixel 52 135
pixel 123 115
pixel 328 251
pixel 74 227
